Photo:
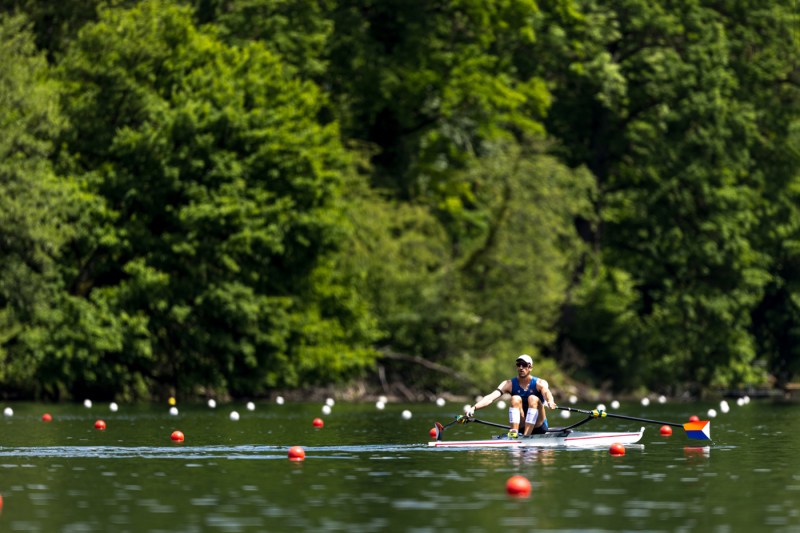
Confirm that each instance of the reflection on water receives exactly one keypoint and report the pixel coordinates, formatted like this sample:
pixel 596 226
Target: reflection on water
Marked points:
pixel 370 471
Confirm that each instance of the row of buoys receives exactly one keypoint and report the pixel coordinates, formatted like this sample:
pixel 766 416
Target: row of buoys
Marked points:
pixel 100 425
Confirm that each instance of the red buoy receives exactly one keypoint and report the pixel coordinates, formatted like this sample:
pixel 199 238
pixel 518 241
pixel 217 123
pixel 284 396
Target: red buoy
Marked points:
pixel 666 431
pixel 694 418
pixel 1 502
pixel 47 417
pixel 318 423
pixel 616 449
pixel 177 436
pixel 297 453
pixel 101 425
pixel 518 486
pixel 432 432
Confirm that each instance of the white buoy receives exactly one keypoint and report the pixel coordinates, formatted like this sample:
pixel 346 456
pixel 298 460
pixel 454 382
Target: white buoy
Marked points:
pixel 8 411
pixel 234 416
pixel 615 404
pixel 724 407
pixel 662 399
pixel 740 401
pixel 330 402
pixel 326 409
pixel 501 404
pixel 114 407
pixel 565 414
pixel 440 402
pixel 601 407
pixel 466 406
pixel 406 414
pixel 251 406
pixel 212 403
pixel 573 399
pixel 87 403
pixel 380 405
pixel 712 413
pixel 173 411
pixel 279 400
pixel 645 401
pixel 746 399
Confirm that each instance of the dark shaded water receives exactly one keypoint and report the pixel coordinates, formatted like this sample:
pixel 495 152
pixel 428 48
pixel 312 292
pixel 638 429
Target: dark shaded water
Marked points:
pixel 371 470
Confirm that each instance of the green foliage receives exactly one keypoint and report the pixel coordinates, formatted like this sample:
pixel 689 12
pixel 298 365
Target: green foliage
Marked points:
pixel 34 205
pixel 56 24
pixel 473 303
pixel 237 195
pixel 297 31
pixel 429 83
pixel 220 192
pixel 671 139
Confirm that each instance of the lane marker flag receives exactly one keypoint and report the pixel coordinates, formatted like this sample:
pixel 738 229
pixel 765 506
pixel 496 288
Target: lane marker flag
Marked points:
pixel 698 430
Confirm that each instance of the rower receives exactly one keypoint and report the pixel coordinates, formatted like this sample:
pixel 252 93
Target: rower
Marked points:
pixel 529 396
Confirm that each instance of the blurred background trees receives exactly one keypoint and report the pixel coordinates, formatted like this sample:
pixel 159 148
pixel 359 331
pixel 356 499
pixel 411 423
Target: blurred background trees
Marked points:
pixel 233 196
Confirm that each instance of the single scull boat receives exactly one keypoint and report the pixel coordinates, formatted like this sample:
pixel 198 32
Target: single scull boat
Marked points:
pixel 567 438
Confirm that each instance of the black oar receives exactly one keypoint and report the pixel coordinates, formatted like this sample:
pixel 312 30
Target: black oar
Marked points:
pixel 694 430
pixel 460 419
pixel 549 430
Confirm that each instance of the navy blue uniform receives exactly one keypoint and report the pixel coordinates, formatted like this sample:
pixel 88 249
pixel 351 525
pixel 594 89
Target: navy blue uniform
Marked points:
pixel 517 390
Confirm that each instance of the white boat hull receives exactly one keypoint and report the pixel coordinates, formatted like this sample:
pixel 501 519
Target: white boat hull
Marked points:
pixel 571 439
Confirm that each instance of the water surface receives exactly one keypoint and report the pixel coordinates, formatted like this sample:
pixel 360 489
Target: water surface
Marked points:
pixel 371 470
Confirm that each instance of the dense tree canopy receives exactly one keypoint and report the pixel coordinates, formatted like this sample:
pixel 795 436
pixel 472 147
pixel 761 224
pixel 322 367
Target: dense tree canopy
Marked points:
pixel 231 196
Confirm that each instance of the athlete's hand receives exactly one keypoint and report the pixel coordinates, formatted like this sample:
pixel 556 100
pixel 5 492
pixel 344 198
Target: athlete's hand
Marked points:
pixel 469 412
pixel 550 405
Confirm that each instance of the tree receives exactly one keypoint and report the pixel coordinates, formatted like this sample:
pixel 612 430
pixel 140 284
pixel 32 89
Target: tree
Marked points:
pixel 219 213
pixel 472 308
pixel 34 203
pixel 651 104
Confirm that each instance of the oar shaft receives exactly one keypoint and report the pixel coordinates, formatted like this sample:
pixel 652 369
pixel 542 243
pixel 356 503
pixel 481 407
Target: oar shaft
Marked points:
pixel 489 423
pixel 440 428
pixel 612 415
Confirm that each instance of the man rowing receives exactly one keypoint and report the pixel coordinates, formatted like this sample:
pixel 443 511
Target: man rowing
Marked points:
pixel 529 396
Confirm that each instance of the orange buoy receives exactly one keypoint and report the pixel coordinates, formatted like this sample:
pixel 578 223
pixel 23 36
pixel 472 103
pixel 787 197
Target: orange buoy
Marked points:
pixel 47 417
pixel 297 453
pixel 518 486
pixel 99 424
pixel 1 502
pixel 666 431
pixel 318 423
pixel 694 418
pixel 432 432
pixel 616 449
pixel 177 436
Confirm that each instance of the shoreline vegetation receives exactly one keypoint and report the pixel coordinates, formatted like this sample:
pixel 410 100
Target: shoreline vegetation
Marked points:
pixel 247 196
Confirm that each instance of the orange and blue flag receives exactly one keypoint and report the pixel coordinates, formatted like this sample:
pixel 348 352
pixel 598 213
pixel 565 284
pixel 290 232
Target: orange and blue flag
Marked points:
pixel 698 430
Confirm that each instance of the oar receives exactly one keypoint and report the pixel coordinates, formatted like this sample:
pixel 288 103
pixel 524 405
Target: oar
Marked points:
pixel 460 419
pixel 549 430
pixel 694 430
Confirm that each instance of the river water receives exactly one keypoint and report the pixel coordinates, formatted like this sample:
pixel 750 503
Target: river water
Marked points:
pixel 370 470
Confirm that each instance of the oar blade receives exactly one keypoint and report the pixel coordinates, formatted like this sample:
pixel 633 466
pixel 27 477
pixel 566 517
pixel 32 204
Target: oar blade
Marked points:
pixel 439 430
pixel 700 430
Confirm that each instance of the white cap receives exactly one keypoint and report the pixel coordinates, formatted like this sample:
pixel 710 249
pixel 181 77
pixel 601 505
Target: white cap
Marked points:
pixel 525 357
